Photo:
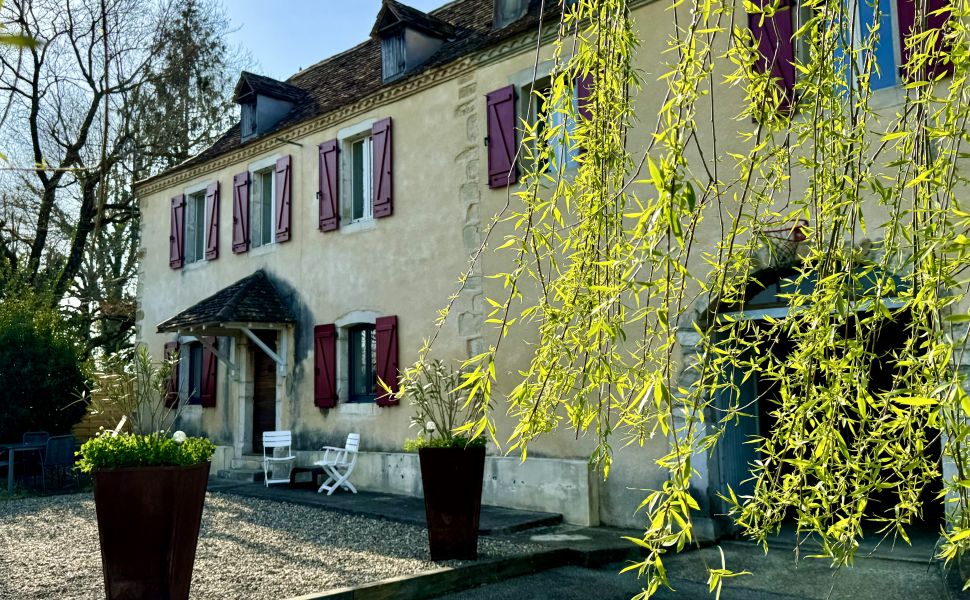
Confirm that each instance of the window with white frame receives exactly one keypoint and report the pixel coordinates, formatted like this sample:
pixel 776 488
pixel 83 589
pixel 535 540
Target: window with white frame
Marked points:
pixel 262 212
pixel 362 362
pixel 195 229
pixel 192 358
pixel 359 200
pixel 541 114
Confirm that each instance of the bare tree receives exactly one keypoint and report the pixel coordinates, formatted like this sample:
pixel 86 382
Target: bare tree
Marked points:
pixel 114 90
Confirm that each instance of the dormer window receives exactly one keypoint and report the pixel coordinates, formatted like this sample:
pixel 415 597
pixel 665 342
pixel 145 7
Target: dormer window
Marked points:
pixel 263 103
pixel 409 38
pixel 393 55
pixel 509 11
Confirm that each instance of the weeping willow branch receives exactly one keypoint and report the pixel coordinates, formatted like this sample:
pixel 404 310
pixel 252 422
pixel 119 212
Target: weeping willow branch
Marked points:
pixel 635 272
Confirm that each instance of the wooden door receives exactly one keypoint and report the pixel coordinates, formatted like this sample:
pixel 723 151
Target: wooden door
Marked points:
pixel 264 390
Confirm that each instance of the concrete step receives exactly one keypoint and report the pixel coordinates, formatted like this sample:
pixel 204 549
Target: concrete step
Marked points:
pixel 250 462
pixel 254 475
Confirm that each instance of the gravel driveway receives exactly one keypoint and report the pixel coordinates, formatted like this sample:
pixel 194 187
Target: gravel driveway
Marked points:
pixel 248 548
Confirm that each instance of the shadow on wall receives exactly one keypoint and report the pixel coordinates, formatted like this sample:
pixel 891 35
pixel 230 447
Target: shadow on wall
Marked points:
pixel 302 339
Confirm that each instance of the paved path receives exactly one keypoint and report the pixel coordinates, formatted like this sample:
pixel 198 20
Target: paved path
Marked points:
pixel 883 576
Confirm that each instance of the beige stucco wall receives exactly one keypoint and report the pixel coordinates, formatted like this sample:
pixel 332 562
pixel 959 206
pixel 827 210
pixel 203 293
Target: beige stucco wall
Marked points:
pixel 407 265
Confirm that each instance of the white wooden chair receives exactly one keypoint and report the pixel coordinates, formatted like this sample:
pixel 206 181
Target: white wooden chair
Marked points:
pixel 273 441
pixel 338 464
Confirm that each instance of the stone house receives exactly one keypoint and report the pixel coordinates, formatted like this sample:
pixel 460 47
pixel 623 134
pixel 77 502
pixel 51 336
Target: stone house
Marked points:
pixel 307 252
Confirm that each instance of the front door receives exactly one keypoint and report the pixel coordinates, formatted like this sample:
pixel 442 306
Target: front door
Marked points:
pixel 264 390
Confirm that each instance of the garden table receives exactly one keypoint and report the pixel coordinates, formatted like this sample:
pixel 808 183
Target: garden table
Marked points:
pixel 11 450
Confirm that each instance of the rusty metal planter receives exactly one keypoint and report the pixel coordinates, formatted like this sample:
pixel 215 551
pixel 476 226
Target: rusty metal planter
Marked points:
pixel 148 524
pixel 452 479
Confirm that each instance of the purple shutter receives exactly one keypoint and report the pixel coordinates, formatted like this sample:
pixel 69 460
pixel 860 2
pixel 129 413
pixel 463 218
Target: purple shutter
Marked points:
pixel 906 17
pixel 386 331
pixel 283 187
pixel 172 386
pixel 584 92
pixel 500 108
pixel 240 213
pixel 383 161
pixel 212 221
pixel 210 370
pixel 324 366
pixel 176 237
pixel 774 38
pixel 329 186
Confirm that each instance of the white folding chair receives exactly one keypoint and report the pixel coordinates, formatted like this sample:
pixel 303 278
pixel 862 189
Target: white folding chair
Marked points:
pixel 338 464
pixel 275 441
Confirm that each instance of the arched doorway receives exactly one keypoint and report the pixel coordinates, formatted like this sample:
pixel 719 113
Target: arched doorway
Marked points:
pixel 753 401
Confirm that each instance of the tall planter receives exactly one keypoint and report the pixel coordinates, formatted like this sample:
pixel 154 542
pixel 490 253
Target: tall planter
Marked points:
pixel 452 479
pixel 148 524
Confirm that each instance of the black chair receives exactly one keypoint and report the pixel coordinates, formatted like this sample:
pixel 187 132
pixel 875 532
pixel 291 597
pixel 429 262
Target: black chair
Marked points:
pixel 32 458
pixel 59 459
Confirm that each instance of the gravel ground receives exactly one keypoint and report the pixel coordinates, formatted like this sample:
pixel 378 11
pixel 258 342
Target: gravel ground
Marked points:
pixel 248 548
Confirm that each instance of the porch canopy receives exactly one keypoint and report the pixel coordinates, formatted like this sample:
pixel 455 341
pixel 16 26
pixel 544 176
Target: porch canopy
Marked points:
pixel 250 303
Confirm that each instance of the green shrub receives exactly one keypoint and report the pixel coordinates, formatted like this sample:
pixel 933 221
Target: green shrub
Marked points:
pixel 134 450
pixel 40 370
pixel 455 441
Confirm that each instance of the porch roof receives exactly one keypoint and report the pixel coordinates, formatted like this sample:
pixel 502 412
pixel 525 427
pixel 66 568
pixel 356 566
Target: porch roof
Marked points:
pixel 251 300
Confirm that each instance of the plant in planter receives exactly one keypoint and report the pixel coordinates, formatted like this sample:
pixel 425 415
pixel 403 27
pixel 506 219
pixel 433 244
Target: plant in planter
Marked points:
pixel 149 484
pixel 452 465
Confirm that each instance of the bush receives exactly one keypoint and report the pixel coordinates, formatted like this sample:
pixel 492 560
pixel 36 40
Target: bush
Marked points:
pixel 455 441
pixel 133 450
pixel 40 373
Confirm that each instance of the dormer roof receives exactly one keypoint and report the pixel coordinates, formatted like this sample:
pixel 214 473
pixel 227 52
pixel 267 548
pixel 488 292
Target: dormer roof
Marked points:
pixel 393 15
pixel 251 85
pixel 355 74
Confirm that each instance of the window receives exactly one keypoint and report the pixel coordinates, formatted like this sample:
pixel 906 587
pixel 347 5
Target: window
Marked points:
pixel 362 355
pixel 507 11
pixel 393 53
pixel 261 210
pixel 195 227
pixel 193 356
pixel 247 120
pixel 543 115
pixel 361 199
pixel 885 69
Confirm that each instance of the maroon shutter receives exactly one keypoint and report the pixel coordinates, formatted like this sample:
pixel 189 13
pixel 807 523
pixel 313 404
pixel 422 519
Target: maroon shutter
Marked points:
pixel 906 17
pixel 584 91
pixel 383 160
pixel 386 330
pixel 324 366
pixel 172 387
pixel 500 108
pixel 240 213
pixel 212 217
pixel 176 238
pixel 283 186
pixel 210 370
pixel 329 187
pixel 774 38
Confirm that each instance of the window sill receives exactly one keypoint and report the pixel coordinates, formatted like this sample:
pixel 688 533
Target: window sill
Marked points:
pixel 361 225
pixel 361 409
pixel 194 265
pixel 264 249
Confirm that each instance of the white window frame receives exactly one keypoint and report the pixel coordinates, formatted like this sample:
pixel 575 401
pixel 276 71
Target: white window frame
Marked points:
pixel 194 190
pixel 345 139
pixel 255 169
pixel 528 107
pixel 344 324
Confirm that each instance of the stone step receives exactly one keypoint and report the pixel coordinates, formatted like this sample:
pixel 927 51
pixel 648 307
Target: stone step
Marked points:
pixel 247 462
pixel 241 474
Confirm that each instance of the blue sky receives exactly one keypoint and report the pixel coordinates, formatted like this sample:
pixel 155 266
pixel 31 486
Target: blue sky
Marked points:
pixel 283 36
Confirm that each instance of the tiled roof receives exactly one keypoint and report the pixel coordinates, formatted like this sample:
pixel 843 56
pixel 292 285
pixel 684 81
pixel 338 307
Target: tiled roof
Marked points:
pixel 267 86
pixel 253 299
pixel 356 73
pixel 415 18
